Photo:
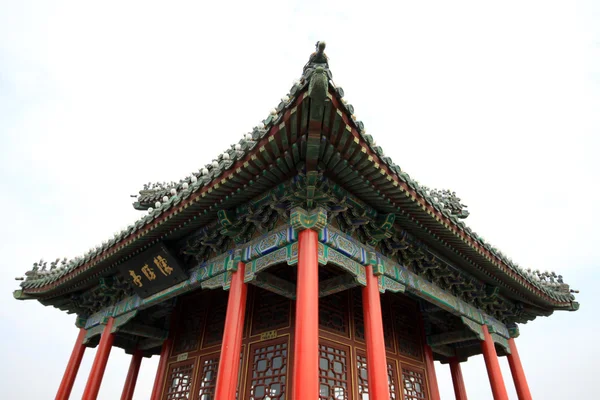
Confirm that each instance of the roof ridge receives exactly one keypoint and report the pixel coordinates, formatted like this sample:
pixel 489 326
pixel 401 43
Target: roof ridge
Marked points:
pixel 159 198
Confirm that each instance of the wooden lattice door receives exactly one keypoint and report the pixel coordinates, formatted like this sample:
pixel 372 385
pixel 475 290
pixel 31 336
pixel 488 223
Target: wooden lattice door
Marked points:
pixel 268 341
pixel 268 370
pixel 180 380
pixel 335 380
pixel 207 376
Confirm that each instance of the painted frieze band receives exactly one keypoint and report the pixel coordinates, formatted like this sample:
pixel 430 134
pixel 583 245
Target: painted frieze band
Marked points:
pixel 335 247
pixel 413 282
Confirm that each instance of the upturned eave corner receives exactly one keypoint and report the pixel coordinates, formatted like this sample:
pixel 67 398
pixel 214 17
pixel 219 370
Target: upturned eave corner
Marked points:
pixel 20 295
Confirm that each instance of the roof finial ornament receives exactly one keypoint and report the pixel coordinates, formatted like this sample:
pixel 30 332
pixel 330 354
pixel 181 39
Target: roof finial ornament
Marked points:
pixel 318 58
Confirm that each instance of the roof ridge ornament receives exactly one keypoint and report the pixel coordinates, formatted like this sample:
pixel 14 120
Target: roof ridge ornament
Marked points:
pixel 318 58
pixel 448 200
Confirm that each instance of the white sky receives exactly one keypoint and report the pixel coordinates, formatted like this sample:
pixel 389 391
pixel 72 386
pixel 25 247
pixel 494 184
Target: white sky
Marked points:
pixel 496 100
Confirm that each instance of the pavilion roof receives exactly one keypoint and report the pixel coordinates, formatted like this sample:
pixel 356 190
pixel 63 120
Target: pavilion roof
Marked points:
pixel 174 206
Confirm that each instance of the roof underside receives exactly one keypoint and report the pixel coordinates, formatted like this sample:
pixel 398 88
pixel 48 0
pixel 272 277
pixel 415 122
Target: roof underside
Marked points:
pixel 276 152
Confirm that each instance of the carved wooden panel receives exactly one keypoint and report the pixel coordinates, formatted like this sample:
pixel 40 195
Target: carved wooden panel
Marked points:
pixel 413 384
pixel 359 320
pixel 215 322
pixel 271 311
pixel 268 370
pixel 407 328
pixel 334 370
pixel 191 321
pixel 179 381
pixel 388 330
pixel 207 376
pixel 333 313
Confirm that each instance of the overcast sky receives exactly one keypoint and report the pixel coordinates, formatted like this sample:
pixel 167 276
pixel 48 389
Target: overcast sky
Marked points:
pixel 498 101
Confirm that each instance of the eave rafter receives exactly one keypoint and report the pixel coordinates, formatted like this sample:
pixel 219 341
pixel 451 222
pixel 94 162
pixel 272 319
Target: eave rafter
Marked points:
pixel 248 177
pixel 370 178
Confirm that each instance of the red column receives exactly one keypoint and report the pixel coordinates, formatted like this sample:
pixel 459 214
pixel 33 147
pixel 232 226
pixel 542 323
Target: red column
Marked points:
pixel 162 369
pixel 306 346
pixel 231 347
pixel 433 383
pixel 165 351
pixel 516 368
pixel 376 360
pixel 95 379
pixel 132 374
pixel 457 379
pixel 493 366
pixel 66 385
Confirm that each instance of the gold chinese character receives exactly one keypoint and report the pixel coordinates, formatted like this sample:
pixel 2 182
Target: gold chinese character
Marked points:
pixel 149 272
pixel 137 279
pixel 162 265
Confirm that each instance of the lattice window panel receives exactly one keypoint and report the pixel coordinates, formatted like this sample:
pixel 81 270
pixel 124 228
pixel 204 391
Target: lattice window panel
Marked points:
pixel 271 311
pixel 179 382
pixel 209 367
pixel 393 381
pixel 413 385
pixel 333 313
pixel 334 376
pixel 407 327
pixel 363 382
pixel 215 323
pixel 388 331
pixel 193 314
pixel 363 377
pixel 359 322
pixel 405 319
pixel 268 371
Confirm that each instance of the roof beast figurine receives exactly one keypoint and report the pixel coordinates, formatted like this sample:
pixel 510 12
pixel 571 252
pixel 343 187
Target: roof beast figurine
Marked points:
pixel 318 58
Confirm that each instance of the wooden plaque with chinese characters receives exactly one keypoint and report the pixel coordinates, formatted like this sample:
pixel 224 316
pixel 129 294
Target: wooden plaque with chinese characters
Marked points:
pixel 152 271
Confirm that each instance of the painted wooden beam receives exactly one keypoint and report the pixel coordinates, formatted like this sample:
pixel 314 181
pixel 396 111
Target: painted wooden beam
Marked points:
pixel 275 284
pixel 336 284
pixel 144 331
pixel 444 350
pixel 450 337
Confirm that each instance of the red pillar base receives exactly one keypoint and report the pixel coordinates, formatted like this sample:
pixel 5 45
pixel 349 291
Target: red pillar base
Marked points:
pixel 66 385
pixel 516 368
pixel 229 363
pixel 493 367
pixel 457 380
pixel 306 346
pixel 95 379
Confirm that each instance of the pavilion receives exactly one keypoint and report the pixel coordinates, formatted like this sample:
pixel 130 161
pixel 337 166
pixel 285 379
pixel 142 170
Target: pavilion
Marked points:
pixel 300 263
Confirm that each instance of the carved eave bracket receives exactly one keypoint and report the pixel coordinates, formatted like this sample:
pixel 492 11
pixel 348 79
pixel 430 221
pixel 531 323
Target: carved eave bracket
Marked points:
pixel 500 336
pixel 513 330
pixel 315 219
